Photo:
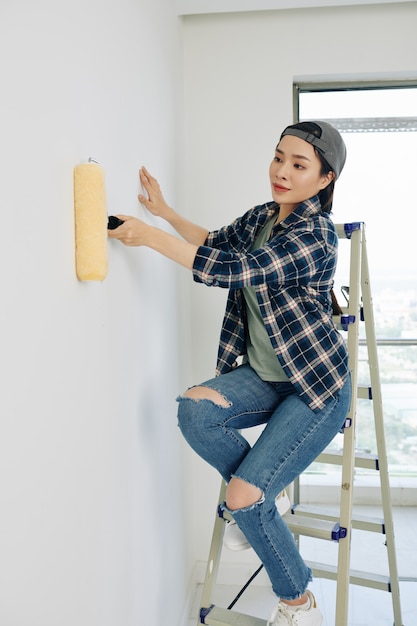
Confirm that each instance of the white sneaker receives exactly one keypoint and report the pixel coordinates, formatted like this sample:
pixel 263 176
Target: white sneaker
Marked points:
pixel 286 615
pixel 234 539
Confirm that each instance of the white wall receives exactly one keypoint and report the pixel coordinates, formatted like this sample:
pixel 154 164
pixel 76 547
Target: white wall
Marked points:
pixel 89 448
pixel 239 71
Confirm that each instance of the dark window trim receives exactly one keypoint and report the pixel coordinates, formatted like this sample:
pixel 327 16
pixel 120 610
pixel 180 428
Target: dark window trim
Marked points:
pixel 304 86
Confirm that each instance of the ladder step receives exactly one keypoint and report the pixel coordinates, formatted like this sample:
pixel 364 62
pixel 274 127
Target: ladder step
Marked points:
pixel 359 522
pixel 364 392
pixel 313 527
pixel 356 577
pixel 362 459
pixel 216 616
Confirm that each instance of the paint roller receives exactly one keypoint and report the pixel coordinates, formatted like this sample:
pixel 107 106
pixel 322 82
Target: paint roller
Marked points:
pixel 90 221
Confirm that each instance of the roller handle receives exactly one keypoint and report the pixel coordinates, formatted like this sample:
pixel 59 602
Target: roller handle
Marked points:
pixel 114 222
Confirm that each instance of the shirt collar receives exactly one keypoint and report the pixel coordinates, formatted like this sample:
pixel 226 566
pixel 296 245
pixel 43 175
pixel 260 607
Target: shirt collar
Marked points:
pixel 303 211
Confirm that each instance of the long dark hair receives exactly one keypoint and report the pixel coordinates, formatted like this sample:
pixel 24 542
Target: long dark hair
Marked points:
pixel 326 194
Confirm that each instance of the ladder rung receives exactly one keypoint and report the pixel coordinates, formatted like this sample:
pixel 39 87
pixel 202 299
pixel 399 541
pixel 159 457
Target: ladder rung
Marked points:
pixel 312 527
pixel 362 459
pixel 365 393
pixel 364 579
pixel 359 522
pixel 216 616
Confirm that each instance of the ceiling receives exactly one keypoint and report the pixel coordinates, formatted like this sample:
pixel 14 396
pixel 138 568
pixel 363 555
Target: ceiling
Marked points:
pixel 195 7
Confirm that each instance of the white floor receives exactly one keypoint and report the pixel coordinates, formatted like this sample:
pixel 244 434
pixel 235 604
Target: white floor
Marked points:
pixel 367 607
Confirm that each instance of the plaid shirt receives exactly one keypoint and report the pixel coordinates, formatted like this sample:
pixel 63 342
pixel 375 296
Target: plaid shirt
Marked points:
pixel 292 275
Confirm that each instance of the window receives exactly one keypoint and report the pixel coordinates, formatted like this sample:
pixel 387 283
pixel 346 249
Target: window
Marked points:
pixel 377 187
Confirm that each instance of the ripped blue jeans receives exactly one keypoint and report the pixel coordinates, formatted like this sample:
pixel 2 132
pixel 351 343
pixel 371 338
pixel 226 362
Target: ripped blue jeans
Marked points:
pixel 293 437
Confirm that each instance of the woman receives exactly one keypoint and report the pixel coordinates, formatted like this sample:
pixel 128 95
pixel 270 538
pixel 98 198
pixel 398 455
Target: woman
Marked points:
pixel 278 261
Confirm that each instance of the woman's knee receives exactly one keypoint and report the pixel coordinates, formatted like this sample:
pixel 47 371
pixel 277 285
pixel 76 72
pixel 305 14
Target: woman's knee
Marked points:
pixel 206 393
pixel 196 417
pixel 241 494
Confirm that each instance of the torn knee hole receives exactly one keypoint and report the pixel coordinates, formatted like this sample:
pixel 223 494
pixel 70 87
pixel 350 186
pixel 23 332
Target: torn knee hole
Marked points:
pixel 241 494
pixel 206 393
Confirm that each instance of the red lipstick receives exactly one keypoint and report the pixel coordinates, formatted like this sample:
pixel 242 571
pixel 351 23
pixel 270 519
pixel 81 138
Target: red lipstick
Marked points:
pixel 279 188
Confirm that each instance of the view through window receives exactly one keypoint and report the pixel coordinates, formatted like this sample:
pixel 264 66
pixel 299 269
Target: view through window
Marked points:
pixel 377 187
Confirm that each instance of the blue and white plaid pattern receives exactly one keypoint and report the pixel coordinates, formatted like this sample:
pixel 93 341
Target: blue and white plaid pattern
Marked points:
pixel 293 274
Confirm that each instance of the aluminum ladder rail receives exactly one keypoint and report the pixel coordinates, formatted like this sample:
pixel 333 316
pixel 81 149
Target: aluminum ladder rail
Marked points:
pixel 342 574
pixel 308 522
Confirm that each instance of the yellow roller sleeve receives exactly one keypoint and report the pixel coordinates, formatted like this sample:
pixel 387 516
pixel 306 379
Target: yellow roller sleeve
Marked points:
pixel 90 222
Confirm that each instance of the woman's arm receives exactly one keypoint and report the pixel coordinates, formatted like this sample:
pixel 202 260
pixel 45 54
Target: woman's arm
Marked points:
pixel 134 232
pixel 156 205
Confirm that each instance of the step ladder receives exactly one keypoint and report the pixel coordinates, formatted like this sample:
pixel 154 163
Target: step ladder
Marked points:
pixel 307 521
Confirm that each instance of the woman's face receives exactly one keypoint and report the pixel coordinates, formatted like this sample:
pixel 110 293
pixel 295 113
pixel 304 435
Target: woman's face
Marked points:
pixel 295 173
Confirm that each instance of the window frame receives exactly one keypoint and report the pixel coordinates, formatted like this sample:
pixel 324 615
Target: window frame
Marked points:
pixel 404 491
pixel 303 86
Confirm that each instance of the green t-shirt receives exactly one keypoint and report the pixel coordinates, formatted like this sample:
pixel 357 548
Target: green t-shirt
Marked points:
pixel 260 353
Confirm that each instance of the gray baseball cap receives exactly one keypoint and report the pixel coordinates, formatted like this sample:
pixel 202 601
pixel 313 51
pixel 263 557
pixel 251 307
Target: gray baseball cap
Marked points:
pixel 326 139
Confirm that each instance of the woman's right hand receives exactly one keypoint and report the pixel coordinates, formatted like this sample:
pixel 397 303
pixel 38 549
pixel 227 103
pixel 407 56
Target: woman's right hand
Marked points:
pixel 155 202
